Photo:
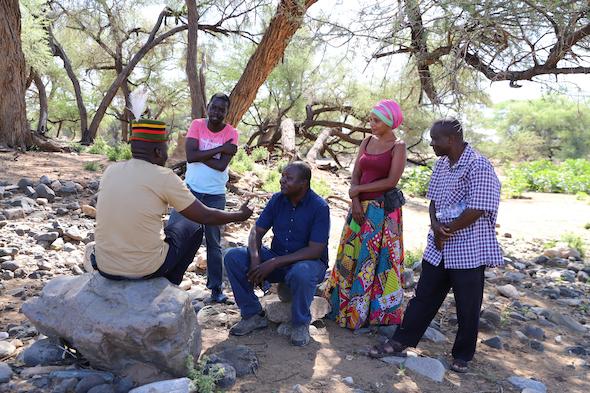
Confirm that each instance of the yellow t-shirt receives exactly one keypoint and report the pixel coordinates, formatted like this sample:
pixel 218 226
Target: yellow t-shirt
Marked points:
pixel 133 197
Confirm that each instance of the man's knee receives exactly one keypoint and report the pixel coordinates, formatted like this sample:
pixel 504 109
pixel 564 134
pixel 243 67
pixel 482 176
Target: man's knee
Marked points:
pixel 302 274
pixel 236 258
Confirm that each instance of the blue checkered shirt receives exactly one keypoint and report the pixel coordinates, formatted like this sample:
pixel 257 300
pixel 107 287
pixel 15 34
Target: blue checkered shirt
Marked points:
pixel 470 183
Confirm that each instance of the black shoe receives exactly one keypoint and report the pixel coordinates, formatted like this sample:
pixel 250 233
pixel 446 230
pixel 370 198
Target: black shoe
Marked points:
pixel 217 296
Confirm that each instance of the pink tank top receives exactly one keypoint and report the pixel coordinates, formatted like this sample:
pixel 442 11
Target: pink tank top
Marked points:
pixel 373 167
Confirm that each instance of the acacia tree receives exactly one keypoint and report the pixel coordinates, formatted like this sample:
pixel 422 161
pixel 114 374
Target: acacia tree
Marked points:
pixel 14 129
pixel 492 39
pixel 286 21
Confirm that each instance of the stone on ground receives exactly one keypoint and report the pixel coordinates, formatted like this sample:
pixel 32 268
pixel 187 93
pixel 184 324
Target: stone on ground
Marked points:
pixel 180 385
pixel 428 367
pixel 5 372
pixel 42 352
pixel 524 383
pixel 142 329
pixel 242 358
pixel 278 311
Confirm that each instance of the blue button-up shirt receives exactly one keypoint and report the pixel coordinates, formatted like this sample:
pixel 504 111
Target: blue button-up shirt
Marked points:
pixel 469 184
pixel 295 226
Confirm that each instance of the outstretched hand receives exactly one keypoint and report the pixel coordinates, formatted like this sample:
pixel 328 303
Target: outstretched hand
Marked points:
pixel 245 212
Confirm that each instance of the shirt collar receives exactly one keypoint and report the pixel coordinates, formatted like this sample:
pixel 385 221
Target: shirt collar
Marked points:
pixel 303 202
pixel 466 158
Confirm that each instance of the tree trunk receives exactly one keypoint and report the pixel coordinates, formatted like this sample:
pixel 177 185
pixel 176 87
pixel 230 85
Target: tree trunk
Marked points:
pixel 271 49
pixel 125 123
pixel 58 51
pixel 318 146
pixel 288 138
pixel 14 128
pixel 43 107
pixel 195 81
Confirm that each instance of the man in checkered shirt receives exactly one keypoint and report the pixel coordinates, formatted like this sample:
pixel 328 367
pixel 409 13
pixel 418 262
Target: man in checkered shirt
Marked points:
pixel 464 195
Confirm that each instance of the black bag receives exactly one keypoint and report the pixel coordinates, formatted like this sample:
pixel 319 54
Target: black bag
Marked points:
pixel 393 199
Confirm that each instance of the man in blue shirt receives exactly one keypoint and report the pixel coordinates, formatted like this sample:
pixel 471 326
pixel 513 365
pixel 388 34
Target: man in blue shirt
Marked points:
pixel 298 256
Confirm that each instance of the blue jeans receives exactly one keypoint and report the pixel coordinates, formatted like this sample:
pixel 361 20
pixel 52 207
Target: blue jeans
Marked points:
pixel 301 277
pixel 212 238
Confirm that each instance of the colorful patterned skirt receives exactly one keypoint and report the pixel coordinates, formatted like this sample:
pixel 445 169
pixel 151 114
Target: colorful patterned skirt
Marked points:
pixel 364 287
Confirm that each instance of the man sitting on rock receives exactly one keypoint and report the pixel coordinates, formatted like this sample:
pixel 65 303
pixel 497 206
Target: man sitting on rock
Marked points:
pixel 133 197
pixel 298 256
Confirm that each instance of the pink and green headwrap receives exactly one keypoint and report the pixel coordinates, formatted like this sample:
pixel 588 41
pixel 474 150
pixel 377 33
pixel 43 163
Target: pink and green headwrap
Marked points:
pixel 389 112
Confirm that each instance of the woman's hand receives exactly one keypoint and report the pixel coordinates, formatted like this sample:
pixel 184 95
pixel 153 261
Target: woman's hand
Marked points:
pixel 353 191
pixel 357 211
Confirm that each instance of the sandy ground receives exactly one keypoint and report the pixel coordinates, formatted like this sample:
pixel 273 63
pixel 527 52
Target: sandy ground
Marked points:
pixel 336 353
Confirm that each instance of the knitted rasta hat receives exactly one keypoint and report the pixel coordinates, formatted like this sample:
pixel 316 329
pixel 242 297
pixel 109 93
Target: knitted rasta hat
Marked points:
pixel 148 131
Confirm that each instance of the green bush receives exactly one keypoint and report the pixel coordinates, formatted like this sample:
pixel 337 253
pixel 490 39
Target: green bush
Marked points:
pixel 415 180
pixel 121 151
pixel 92 166
pixel 242 162
pixel 272 182
pixel 260 153
pixel 202 382
pixel 569 177
pixel 321 187
pixel 77 147
pixel 99 146
pixel 411 257
pixel 574 241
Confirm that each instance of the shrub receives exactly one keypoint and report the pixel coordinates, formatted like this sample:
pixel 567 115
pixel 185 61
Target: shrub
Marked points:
pixel 570 177
pixel 259 153
pixel 98 147
pixel 121 151
pixel 242 162
pixel 92 166
pixel 77 147
pixel 272 182
pixel 202 381
pixel 415 180
pixel 411 257
pixel 321 187
pixel 574 241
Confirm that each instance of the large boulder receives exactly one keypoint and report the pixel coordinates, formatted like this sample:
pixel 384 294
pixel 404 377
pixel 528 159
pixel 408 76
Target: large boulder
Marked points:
pixel 143 329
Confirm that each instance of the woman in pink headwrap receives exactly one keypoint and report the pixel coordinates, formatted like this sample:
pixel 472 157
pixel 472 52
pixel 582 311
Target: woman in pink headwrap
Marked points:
pixel 365 285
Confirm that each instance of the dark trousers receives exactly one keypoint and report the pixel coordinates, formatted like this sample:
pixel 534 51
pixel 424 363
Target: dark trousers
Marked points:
pixel 184 238
pixel 433 287
pixel 212 238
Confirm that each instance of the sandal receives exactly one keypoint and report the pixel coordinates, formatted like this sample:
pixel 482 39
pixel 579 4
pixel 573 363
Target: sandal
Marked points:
pixel 388 348
pixel 459 366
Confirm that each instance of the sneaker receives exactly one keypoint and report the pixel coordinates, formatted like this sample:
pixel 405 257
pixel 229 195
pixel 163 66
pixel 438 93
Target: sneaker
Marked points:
pixel 247 326
pixel 300 335
pixel 217 296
